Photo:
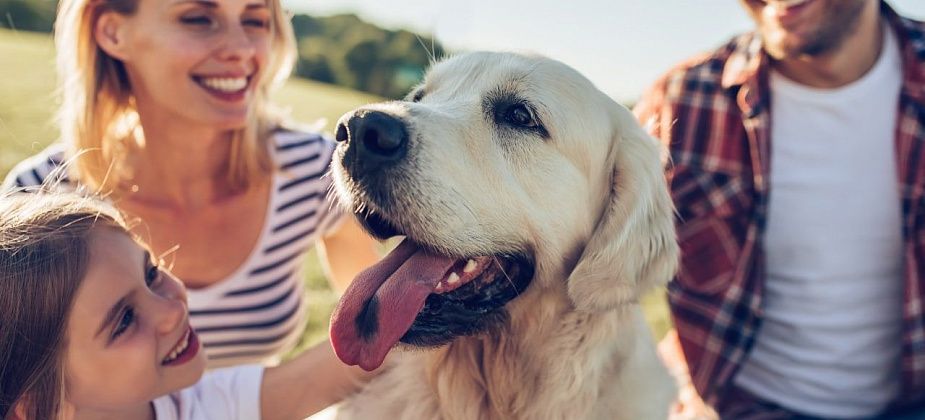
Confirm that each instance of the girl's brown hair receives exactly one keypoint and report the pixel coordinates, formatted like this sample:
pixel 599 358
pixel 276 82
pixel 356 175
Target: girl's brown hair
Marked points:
pixel 97 112
pixel 43 259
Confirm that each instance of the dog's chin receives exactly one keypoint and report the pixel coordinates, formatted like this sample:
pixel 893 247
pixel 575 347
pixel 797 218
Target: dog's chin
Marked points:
pixel 376 225
pixel 475 307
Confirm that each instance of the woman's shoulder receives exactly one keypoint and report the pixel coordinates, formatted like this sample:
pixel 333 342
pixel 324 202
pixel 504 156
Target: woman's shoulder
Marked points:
pixel 291 136
pixel 298 149
pixel 40 169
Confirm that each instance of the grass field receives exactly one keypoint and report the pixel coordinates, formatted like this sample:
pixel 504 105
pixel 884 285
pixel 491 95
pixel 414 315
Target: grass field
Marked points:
pixel 28 103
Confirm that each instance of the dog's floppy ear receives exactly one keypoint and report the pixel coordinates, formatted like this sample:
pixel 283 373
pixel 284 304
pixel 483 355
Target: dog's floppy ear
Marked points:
pixel 634 246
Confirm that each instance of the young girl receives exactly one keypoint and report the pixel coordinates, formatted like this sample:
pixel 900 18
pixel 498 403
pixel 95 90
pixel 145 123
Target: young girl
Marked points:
pixel 93 328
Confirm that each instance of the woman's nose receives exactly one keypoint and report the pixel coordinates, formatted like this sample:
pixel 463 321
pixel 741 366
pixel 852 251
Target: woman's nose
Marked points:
pixel 237 44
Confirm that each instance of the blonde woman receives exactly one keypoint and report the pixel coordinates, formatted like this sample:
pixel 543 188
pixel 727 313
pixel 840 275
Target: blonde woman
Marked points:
pixel 165 110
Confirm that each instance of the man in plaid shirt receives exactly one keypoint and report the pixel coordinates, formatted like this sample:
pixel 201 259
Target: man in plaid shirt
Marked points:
pixel 798 172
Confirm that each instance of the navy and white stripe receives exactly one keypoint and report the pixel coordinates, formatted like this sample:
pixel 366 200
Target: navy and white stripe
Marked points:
pixel 36 170
pixel 257 313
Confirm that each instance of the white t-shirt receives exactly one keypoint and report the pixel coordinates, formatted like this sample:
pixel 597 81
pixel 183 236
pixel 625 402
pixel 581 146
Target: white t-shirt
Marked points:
pixel 223 394
pixel 829 343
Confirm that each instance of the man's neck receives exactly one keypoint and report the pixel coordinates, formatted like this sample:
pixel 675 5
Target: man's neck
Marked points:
pixel 847 63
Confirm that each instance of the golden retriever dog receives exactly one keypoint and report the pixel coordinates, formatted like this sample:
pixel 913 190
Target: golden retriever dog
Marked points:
pixel 535 213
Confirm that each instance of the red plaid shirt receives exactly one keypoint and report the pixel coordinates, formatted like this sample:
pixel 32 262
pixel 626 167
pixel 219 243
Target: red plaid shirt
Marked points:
pixel 714 113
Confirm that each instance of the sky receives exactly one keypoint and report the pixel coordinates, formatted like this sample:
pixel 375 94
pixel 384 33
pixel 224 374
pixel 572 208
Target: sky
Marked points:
pixel 621 45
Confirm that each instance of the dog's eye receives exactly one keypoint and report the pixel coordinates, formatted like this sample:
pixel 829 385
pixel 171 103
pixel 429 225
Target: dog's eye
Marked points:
pixel 417 95
pixel 520 115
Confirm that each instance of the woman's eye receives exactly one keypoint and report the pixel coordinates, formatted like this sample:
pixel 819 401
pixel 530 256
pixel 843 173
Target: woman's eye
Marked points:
pixel 520 116
pixel 128 317
pixel 197 20
pixel 257 23
pixel 152 275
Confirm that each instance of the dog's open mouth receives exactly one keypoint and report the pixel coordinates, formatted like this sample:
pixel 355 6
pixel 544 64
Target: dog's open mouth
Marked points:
pixel 420 297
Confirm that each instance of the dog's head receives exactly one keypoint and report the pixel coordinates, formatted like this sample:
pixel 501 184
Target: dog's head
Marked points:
pixel 508 174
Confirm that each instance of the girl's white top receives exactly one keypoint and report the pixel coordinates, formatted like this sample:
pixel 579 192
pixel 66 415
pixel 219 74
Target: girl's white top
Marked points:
pixel 223 394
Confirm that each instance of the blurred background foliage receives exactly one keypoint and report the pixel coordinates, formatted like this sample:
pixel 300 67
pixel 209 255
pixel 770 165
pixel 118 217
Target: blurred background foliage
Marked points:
pixel 342 49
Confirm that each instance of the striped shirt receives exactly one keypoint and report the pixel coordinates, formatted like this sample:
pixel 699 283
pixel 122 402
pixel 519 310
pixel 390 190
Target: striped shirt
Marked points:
pixel 256 313
pixel 714 114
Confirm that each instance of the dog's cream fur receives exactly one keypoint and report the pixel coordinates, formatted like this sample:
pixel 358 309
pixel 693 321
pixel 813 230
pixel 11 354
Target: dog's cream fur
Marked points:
pixel 588 202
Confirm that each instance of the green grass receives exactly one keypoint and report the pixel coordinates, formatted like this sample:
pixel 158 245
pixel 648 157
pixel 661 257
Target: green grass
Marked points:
pixel 28 103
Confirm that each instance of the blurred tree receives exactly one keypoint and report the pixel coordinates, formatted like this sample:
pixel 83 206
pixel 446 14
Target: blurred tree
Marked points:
pixel 363 61
pixel 28 15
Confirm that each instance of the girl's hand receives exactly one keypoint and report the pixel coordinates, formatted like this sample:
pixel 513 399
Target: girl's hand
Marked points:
pixel 309 383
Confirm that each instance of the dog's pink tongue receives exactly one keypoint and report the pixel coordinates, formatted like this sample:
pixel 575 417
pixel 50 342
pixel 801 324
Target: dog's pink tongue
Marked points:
pixel 382 302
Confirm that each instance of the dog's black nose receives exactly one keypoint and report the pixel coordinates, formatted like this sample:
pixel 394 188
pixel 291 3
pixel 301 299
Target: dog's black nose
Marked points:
pixel 377 138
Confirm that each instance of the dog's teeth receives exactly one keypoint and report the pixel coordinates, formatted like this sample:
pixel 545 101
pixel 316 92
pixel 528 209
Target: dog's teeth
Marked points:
pixel 470 266
pixel 453 279
pixel 439 286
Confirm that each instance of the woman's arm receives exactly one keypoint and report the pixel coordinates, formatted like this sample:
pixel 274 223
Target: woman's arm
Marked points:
pixel 305 385
pixel 346 252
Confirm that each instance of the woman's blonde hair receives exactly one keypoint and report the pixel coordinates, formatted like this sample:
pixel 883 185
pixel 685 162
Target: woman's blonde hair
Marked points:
pixel 97 113
pixel 44 255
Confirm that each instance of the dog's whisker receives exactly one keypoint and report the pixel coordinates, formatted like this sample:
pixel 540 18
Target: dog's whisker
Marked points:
pixel 331 196
pixel 465 205
pixel 431 53
pixel 506 276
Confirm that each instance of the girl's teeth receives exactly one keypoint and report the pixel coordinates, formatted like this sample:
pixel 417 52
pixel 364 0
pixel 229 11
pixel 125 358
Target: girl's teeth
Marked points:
pixel 180 348
pixel 225 84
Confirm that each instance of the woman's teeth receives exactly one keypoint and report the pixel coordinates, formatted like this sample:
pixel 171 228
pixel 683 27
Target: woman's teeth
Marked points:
pixel 225 84
pixel 181 346
pixel 787 3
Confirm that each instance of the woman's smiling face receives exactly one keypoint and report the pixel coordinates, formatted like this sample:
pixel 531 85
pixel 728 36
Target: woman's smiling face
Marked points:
pixel 196 60
pixel 128 340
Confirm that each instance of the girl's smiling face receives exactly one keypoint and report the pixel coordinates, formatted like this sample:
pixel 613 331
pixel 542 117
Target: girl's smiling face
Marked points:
pixel 128 339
